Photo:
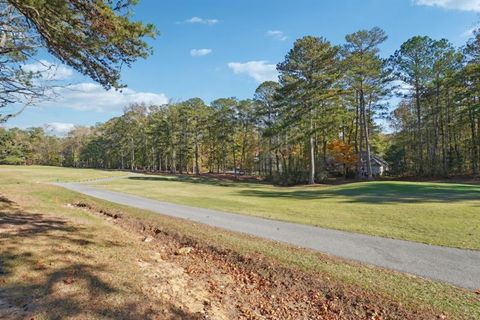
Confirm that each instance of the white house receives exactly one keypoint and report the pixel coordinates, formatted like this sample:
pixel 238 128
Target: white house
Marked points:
pixel 379 166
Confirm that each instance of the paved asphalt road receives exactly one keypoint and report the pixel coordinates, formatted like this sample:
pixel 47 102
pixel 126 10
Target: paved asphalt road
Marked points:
pixel 455 266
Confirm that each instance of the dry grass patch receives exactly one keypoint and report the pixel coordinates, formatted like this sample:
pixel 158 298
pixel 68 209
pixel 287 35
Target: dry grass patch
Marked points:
pixel 57 268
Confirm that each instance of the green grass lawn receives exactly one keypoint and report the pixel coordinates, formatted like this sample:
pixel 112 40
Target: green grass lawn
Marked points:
pixel 444 214
pixel 15 184
pixel 37 174
pixel 436 213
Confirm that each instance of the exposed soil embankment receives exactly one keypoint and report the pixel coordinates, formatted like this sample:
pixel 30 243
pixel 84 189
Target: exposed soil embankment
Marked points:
pixel 218 283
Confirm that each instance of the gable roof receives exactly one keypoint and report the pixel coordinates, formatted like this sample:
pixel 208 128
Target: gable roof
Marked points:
pixel 380 161
pixel 377 160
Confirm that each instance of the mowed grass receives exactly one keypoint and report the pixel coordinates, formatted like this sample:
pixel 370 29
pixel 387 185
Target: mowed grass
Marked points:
pixel 101 256
pixel 38 174
pixel 445 214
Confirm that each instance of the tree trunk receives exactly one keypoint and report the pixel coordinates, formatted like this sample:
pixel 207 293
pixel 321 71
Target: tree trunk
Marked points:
pixel 132 154
pixel 365 131
pixel 277 161
pixel 197 166
pixel 444 127
pixel 475 150
pixel 358 140
pixel 311 176
pixel 159 160
pixel 173 165
pixel 419 128
pixel 234 163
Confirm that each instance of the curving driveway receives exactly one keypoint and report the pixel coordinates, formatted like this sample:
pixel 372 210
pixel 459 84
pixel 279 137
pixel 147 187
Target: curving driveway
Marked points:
pixel 455 266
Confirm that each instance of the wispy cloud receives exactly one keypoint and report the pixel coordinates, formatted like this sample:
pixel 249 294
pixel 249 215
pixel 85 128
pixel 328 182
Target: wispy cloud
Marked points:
pixel 259 70
pixel 198 20
pixel 200 52
pixel 464 5
pixel 277 34
pixel 89 96
pixel 401 87
pixel 59 128
pixel 469 32
pixel 48 70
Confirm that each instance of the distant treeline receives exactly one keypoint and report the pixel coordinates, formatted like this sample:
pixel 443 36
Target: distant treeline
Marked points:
pixel 320 118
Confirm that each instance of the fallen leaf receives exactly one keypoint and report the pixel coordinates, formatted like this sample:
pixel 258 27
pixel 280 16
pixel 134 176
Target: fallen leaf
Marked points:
pixel 184 251
pixel 147 239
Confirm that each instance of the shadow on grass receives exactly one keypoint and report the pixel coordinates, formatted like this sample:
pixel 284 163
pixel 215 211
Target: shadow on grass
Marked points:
pixel 5 201
pixel 31 224
pixel 30 286
pixel 57 297
pixel 378 193
pixel 199 180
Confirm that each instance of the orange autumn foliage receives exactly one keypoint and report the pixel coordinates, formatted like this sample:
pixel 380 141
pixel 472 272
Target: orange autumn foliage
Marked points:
pixel 342 152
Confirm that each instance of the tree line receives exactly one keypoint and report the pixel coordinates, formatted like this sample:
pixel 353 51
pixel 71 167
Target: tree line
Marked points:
pixel 326 115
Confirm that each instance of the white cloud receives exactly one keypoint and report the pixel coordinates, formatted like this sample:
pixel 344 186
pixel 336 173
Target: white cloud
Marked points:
pixel 469 32
pixel 48 70
pixel 401 87
pixel 259 70
pixel 91 96
pixel 277 34
pixel 200 52
pixel 59 128
pixel 464 5
pixel 198 20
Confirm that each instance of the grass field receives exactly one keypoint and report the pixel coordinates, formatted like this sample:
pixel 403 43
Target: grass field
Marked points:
pixel 42 174
pixel 103 258
pixel 444 214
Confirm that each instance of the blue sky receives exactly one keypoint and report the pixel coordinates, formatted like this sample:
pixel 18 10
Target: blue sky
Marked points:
pixel 217 48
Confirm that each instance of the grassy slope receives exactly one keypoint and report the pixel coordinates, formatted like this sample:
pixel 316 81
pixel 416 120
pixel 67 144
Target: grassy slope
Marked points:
pixel 411 291
pixel 434 213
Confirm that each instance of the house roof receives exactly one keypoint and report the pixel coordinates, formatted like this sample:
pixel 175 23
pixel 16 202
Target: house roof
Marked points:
pixel 379 160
